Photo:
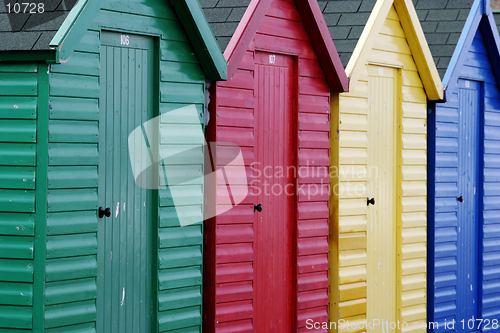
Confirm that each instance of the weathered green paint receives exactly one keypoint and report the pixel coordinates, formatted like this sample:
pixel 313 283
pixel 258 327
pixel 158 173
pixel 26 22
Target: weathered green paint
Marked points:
pixel 41 202
pixel 17 130
pixel 18 113
pixel 17 107
pixel 70 291
pixel 68 223
pixel 16 293
pixel 17 224
pixel 73 154
pixel 17 154
pixel 127 251
pixel 16 247
pixel 16 270
pixel 17 177
pixel 16 316
pixel 63 269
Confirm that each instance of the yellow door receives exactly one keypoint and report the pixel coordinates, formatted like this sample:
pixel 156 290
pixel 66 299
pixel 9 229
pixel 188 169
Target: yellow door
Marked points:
pixel 382 179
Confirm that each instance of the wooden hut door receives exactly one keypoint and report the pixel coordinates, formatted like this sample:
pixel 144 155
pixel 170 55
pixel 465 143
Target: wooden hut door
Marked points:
pixel 274 226
pixel 382 178
pixel 126 238
pixel 468 204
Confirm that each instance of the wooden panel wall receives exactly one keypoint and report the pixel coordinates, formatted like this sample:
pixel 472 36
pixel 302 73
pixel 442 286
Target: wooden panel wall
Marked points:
pixel 229 257
pixel 349 224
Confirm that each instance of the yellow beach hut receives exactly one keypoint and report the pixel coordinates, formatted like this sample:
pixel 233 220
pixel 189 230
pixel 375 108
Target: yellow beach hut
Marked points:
pixel 378 234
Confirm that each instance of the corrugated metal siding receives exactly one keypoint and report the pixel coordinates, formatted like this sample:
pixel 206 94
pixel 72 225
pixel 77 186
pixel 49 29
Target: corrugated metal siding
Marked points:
pixel 349 224
pixel 444 304
pixel 71 255
pixel 18 101
pixel 230 261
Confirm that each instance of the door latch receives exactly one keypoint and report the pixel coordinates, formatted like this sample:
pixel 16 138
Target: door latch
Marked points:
pixel 257 207
pixel 460 199
pixel 104 212
pixel 370 201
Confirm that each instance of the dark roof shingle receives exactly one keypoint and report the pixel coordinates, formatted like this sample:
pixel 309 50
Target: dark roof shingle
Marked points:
pixel 442 22
pixel 346 21
pixel 224 17
pixel 496 15
pixel 24 31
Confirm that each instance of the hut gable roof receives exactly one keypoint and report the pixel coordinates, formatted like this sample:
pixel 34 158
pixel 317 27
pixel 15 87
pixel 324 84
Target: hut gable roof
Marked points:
pixel 31 32
pixel 373 21
pixel 228 20
pixel 480 17
pixel 442 23
pixel 60 36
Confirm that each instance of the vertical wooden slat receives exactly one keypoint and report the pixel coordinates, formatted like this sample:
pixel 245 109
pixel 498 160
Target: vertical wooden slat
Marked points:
pixel 468 218
pixel 382 216
pixel 273 261
pixel 126 249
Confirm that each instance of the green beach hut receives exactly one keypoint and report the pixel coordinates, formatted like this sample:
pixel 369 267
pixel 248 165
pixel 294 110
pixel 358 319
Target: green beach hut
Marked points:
pixel 84 246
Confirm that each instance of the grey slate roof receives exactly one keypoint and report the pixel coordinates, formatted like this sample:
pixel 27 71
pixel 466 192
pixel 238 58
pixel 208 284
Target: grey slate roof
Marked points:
pixel 496 15
pixel 24 31
pixel 346 20
pixel 224 17
pixel 442 22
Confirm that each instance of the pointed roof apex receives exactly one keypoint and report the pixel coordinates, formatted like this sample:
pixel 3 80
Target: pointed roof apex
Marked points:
pixel 194 22
pixel 480 17
pixel 222 18
pixel 411 27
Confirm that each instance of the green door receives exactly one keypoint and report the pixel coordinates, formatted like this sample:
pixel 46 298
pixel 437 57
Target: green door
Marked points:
pixel 127 238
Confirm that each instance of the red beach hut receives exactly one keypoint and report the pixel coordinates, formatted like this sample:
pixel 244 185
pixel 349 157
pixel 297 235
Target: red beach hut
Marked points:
pixel 266 257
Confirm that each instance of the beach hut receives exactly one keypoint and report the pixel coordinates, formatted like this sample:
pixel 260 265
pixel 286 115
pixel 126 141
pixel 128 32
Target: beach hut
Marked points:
pixel 266 251
pixel 464 170
pixel 378 241
pixel 83 246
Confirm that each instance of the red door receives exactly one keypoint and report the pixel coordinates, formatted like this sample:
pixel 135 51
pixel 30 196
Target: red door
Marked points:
pixel 275 189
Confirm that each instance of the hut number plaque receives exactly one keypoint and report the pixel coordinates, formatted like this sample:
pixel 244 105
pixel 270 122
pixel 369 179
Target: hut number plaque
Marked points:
pixel 125 40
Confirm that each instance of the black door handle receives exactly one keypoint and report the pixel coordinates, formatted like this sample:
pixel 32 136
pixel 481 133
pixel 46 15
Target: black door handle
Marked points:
pixel 257 207
pixel 370 201
pixel 460 199
pixel 104 212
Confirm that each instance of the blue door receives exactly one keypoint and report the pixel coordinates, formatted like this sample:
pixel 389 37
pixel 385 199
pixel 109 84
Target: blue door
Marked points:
pixel 468 216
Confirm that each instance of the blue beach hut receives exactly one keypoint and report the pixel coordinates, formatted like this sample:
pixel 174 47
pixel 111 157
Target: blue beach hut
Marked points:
pixel 464 166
